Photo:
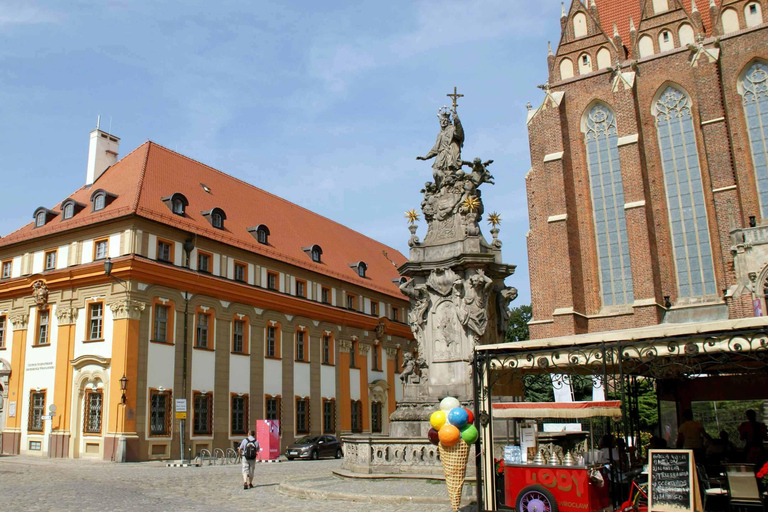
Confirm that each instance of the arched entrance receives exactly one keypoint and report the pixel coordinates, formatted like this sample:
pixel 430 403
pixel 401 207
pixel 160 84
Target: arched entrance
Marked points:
pixel 377 395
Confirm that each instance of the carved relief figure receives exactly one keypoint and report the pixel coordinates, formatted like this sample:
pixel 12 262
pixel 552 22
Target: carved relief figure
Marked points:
pixel 503 299
pixel 417 316
pixel 414 370
pixel 40 293
pixel 446 330
pixel 472 313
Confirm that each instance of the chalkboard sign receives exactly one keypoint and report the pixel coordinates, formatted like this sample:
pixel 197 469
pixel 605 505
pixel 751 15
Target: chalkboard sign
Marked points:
pixel 672 481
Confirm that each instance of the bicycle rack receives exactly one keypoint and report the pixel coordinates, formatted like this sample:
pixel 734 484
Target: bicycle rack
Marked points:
pixel 205 455
pixel 231 456
pixel 218 456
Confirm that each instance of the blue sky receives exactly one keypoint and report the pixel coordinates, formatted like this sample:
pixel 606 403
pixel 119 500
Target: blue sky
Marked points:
pixel 324 103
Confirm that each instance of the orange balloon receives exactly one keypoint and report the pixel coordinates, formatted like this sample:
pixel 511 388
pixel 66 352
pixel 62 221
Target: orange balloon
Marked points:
pixel 449 435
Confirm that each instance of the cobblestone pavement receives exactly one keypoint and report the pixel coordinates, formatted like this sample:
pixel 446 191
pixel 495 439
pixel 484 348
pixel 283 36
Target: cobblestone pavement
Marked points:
pixel 33 484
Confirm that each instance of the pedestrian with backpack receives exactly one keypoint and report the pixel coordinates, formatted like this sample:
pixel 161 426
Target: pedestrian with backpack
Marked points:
pixel 249 449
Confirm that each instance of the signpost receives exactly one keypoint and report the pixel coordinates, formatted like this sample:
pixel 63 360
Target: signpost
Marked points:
pixel 673 485
pixel 181 408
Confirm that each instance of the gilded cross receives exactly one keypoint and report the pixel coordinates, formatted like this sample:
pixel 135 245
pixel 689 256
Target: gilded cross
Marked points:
pixel 454 97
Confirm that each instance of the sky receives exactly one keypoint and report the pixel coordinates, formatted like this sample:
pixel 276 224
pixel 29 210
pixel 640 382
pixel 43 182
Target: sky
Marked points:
pixel 326 104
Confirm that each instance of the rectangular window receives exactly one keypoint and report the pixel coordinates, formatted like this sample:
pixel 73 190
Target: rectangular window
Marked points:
pixel 376 417
pixel 96 321
pixel 238 337
pixel 164 251
pixel 271 281
pixel 36 411
pixel 301 288
pixel 92 413
pixel 395 314
pixel 300 346
pixel 160 328
pixel 351 301
pixel 2 331
pixel 50 260
pixel 43 316
pixel 271 332
pixel 326 349
pixel 357 416
pixel 204 262
pixel 100 249
pixel 302 415
pixel 374 308
pixel 239 414
pixel 241 272
pixel 201 340
pixel 376 357
pixel 329 416
pixel 159 413
pixel 7 267
pixel 273 408
pixel 203 408
pixel 325 295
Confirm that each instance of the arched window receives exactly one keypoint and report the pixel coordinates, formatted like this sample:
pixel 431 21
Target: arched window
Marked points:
pixel 99 202
pixel 217 220
pixel 601 139
pixel 262 236
pixel 753 15
pixel 69 211
pixel 316 253
pixel 685 194
pixel 566 69
pixel 40 219
pixel 754 91
pixel 579 25
pixel 686 35
pixel 585 64
pixel 603 58
pixel 361 268
pixel 178 206
pixel 645 46
pixel 730 21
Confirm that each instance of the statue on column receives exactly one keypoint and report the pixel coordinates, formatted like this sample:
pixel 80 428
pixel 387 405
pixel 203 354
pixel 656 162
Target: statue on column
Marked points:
pixel 447 148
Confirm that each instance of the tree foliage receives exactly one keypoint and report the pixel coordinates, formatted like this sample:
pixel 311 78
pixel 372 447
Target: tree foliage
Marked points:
pixel 519 317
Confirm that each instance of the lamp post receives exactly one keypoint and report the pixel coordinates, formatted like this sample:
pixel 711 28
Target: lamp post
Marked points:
pixel 188 246
pixel 108 271
pixel 123 386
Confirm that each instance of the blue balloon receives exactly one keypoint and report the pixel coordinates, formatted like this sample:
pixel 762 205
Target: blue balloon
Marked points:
pixel 458 417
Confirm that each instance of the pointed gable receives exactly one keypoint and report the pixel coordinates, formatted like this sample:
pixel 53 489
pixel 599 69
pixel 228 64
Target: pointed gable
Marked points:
pixel 584 46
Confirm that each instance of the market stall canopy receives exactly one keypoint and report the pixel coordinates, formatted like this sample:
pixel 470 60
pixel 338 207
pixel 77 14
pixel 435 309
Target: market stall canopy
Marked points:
pixel 569 410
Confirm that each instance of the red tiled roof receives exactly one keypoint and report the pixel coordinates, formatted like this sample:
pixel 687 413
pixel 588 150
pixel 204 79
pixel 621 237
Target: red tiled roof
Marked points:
pixel 142 178
pixel 619 12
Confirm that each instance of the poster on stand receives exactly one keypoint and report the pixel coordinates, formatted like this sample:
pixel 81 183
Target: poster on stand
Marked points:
pixel 268 436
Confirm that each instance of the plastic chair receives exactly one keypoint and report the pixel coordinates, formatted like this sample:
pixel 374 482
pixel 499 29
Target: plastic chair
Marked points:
pixel 742 484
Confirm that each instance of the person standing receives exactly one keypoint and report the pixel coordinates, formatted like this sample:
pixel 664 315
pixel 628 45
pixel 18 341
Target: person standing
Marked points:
pixel 691 436
pixel 249 449
pixel 753 433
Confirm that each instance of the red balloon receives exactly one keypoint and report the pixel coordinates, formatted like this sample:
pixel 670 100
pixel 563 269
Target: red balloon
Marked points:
pixel 434 437
pixel 471 417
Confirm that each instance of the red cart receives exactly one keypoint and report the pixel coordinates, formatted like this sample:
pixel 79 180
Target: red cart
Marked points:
pixel 531 487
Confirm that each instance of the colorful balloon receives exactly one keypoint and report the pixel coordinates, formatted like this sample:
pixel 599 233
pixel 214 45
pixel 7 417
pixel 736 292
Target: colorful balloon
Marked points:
pixel 437 420
pixel 470 416
pixel 449 435
pixel 434 437
pixel 448 403
pixel 457 417
pixel 469 433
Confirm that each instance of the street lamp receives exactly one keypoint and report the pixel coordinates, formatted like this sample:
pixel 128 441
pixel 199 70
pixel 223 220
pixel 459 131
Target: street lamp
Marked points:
pixel 123 386
pixel 189 246
pixel 108 271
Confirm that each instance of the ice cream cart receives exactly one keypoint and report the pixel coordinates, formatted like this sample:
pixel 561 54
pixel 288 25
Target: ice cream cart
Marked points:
pixel 577 482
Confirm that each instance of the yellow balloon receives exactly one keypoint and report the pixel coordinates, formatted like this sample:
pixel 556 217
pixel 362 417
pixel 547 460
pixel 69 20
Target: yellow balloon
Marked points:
pixel 437 420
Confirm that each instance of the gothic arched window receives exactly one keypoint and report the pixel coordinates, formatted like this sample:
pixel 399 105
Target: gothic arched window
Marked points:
pixel 685 195
pixel 754 91
pixel 601 139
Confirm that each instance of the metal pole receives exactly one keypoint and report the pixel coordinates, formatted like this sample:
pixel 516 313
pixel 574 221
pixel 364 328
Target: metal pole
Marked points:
pixel 183 423
pixel 478 443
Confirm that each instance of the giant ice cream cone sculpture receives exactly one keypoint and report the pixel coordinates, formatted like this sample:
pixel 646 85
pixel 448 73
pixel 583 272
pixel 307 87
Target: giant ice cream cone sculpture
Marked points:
pixel 453 431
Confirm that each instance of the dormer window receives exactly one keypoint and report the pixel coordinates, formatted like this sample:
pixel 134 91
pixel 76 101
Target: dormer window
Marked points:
pixel 42 216
pixel 70 208
pixel 360 267
pixel 101 199
pixel 216 217
pixel 260 233
pixel 314 252
pixel 177 203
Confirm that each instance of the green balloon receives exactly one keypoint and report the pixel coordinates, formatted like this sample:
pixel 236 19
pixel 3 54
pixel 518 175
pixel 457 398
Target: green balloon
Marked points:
pixel 469 433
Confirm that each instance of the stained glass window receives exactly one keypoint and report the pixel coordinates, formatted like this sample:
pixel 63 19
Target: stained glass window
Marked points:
pixel 608 206
pixel 755 99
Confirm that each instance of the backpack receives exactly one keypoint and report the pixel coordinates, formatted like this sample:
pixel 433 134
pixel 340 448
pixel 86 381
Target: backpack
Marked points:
pixel 251 449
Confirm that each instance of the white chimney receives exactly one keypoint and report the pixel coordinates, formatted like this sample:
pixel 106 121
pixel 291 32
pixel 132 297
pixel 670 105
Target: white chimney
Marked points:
pixel 102 153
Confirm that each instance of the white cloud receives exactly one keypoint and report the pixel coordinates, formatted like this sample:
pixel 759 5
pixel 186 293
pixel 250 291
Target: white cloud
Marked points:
pixel 11 14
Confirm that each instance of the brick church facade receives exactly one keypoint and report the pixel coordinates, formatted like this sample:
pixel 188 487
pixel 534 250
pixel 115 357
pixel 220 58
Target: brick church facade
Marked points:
pixel 648 191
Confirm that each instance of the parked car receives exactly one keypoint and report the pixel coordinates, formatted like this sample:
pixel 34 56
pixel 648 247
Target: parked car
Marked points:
pixel 314 447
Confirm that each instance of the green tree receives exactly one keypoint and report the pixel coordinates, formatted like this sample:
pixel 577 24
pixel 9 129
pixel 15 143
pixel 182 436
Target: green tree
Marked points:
pixel 519 317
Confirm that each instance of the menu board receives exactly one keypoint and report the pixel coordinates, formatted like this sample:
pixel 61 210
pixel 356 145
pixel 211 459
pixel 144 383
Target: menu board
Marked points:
pixel 672 481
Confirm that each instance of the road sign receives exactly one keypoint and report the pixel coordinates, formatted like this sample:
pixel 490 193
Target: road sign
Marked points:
pixel 181 415
pixel 46 417
pixel 52 408
pixel 181 405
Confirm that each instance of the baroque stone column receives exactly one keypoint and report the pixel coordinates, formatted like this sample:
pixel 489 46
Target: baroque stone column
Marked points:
pixel 62 395
pixel 12 432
